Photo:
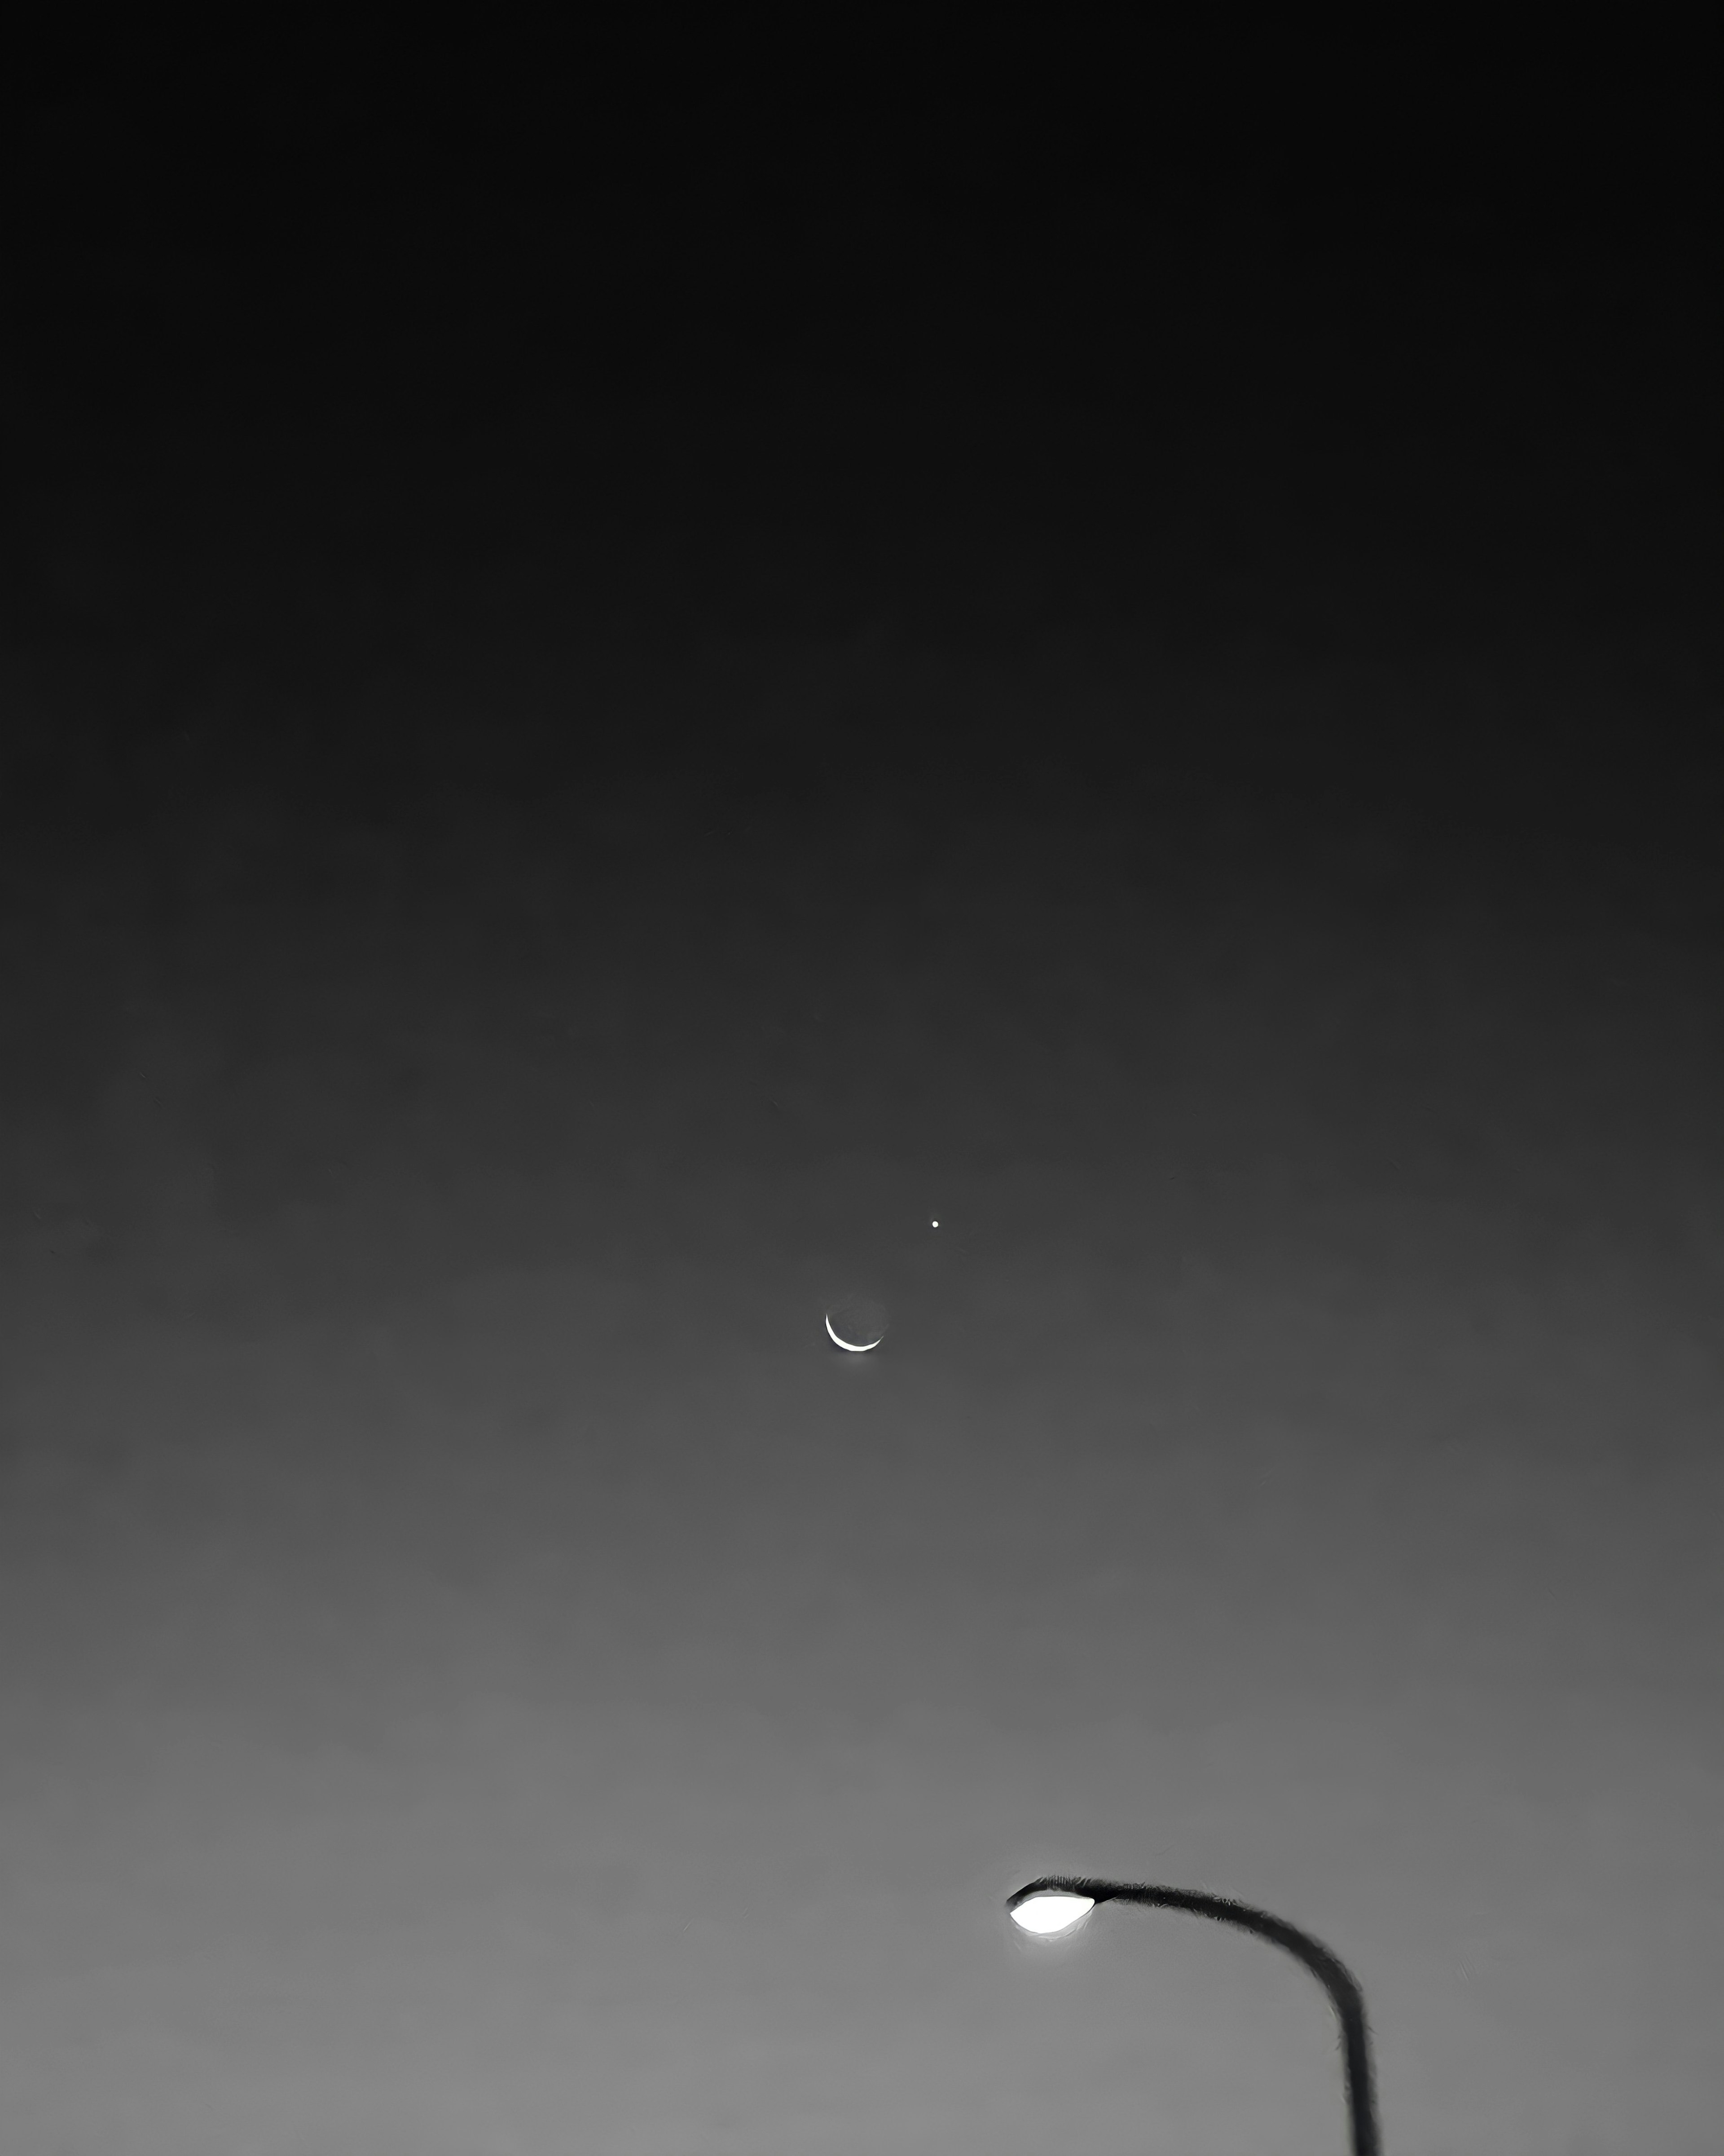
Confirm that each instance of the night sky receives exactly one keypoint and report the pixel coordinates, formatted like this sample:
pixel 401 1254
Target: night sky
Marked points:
pixel 621 685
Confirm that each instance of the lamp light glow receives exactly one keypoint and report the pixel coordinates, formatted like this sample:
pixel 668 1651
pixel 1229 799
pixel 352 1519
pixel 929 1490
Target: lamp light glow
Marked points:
pixel 1047 1915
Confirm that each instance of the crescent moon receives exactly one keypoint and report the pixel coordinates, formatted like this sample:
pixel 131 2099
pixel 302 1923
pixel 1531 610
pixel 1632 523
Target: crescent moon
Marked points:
pixel 849 1347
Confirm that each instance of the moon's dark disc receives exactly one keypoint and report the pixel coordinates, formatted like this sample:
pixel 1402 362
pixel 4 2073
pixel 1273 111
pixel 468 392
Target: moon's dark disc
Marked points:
pixel 859 1321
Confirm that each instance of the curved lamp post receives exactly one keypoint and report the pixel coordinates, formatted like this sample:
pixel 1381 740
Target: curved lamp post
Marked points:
pixel 1048 1906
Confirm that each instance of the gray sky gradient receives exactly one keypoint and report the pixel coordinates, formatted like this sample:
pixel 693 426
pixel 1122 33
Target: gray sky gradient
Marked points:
pixel 475 1658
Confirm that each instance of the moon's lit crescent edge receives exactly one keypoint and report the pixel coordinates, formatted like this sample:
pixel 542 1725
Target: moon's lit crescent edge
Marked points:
pixel 849 1347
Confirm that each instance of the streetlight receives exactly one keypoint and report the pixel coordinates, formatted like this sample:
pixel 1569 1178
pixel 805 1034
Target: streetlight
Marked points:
pixel 1048 1906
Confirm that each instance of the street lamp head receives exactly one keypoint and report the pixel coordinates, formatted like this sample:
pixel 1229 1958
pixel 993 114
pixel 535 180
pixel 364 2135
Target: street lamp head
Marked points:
pixel 1048 1910
pixel 1049 1907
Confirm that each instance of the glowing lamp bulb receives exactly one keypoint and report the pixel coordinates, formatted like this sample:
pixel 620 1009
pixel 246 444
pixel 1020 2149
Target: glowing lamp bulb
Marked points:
pixel 1045 1914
